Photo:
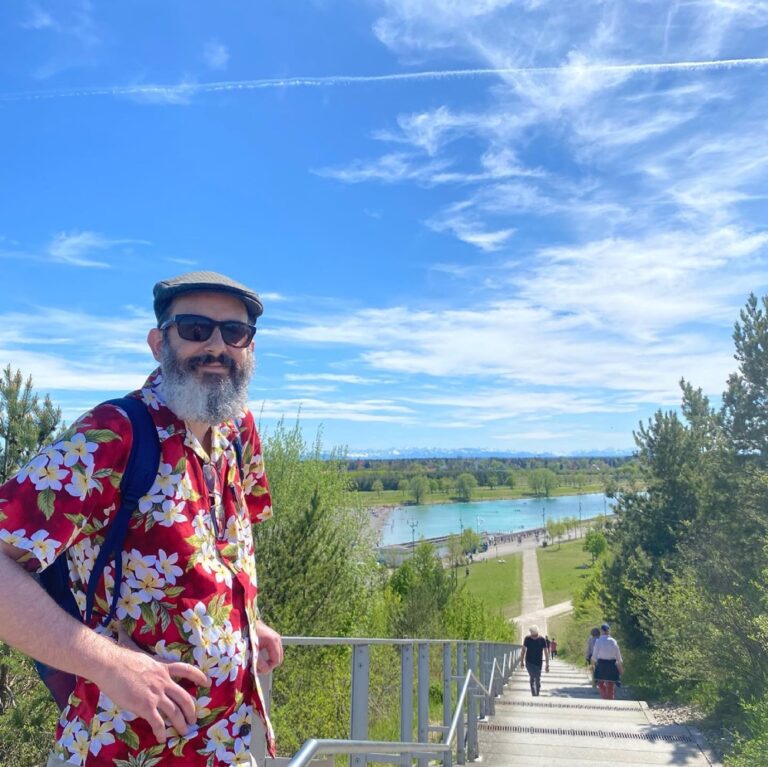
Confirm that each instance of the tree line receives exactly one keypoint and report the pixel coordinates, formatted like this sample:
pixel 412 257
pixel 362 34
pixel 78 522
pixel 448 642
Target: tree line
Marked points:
pixel 686 572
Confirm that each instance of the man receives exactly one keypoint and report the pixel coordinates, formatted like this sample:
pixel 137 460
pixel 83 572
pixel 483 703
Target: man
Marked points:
pixel 172 680
pixel 607 663
pixel 534 651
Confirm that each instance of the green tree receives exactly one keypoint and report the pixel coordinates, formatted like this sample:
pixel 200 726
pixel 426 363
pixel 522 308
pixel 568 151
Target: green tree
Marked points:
pixel 543 482
pixel 404 487
pixel 317 577
pixel 419 488
pixel 466 484
pixel 26 424
pixel 27 712
pixel 744 401
pixel 377 486
pixel 470 540
pixel 511 481
pixel 424 588
pixel 595 543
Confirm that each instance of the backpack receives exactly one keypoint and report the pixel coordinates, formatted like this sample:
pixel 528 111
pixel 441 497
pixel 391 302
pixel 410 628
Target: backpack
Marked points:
pixel 138 478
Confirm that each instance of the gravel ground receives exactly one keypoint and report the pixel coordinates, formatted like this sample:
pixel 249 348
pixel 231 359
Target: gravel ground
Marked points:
pixel 720 739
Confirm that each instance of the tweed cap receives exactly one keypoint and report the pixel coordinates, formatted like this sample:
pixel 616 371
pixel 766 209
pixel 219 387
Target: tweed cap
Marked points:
pixel 166 290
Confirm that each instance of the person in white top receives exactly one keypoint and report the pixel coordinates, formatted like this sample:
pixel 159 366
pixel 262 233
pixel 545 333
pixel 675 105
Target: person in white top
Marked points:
pixel 607 663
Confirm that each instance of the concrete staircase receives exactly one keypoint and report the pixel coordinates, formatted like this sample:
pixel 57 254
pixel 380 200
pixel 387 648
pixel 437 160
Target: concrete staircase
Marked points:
pixel 568 725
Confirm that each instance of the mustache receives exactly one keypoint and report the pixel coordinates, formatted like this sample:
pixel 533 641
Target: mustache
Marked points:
pixel 210 359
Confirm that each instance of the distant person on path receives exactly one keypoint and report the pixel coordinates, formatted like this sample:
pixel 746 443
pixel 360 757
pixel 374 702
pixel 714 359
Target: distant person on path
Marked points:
pixel 593 635
pixel 607 663
pixel 553 648
pixel 535 651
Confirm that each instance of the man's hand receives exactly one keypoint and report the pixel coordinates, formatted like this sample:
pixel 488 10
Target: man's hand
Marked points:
pixel 145 686
pixel 270 648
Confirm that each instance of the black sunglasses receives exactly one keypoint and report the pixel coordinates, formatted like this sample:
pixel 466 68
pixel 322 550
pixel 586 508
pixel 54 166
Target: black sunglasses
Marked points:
pixel 195 327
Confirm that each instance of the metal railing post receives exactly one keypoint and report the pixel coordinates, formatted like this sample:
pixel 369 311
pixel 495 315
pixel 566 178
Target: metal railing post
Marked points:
pixel 472 749
pixel 406 693
pixel 360 683
pixel 460 671
pixel 423 698
pixel 447 707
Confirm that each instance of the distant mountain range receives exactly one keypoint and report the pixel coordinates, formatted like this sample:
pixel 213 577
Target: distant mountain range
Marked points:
pixel 478 452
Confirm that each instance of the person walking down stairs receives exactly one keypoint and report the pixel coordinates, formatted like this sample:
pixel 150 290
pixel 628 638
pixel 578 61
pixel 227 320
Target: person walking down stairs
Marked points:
pixel 534 653
pixel 607 663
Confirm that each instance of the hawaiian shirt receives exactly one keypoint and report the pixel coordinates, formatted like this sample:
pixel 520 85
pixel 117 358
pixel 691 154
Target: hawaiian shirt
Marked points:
pixel 189 586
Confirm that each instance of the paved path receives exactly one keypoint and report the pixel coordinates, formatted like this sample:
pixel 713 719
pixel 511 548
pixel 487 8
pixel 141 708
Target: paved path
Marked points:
pixel 568 725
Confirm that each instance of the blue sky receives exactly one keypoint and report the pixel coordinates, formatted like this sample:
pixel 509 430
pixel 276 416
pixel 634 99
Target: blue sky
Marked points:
pixel 501 224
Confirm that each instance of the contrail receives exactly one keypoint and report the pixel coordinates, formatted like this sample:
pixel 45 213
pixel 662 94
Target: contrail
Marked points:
pixel 183 90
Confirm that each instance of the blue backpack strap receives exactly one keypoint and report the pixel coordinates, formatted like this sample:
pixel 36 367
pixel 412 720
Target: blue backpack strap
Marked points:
pixel 139 476
pixel 238 445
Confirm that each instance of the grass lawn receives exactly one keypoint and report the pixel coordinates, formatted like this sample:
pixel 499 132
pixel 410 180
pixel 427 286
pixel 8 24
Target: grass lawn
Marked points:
pixel 562 569
pixel 497 582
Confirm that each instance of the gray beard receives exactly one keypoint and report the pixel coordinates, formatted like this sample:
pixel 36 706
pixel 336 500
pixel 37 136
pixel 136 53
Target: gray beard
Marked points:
pixel 209 398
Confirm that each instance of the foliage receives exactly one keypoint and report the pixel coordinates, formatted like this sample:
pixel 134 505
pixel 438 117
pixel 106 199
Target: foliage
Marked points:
pixel 419 488
pixel 595 543
pixel 25 423
pixel 542 481
pixel 687 568
pixel 465 486
pixel 27 713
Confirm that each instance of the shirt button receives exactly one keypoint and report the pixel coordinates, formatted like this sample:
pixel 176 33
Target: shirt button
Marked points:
pixel 245 729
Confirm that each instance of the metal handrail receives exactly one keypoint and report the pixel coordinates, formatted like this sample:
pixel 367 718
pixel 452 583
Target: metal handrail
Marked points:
pixel 324 746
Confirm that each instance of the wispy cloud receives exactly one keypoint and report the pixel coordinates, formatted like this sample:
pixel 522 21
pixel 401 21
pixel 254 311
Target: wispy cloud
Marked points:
pixel 216 54
pixel 75 248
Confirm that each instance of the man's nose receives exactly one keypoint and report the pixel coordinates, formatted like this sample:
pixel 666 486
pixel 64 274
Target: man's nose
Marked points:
pixel 215 341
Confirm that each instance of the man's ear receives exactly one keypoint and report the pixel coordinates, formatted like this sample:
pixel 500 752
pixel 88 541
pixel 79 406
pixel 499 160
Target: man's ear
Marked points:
pixel 155 341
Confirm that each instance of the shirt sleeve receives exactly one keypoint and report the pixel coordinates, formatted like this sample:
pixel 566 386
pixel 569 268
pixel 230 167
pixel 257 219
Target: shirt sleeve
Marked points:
pixel 255 484
pixel 68 490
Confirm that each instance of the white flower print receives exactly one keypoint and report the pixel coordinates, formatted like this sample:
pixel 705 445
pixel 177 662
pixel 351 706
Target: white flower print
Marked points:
pixel 150 399
pixel 110 712
pixel 129 603
pixel 166 481
pixel 77 449
pixel 170 513
pixel 163 651
pixel 43 547
pixel 196 621
pixel 81 482
pixel 16 538
pixel 147 583
pixel 166 565
pixel 32 468
pixel 218 739
pixel 101 735
pixel 49 477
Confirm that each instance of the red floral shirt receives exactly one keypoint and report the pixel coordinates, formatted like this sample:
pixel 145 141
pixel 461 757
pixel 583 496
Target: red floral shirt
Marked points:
pixel 187 593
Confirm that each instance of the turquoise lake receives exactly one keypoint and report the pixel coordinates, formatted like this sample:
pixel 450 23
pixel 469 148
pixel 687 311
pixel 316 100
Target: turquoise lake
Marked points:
pixel 433 521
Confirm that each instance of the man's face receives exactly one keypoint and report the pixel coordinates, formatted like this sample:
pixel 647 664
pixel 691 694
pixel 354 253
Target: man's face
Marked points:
pixel 204 381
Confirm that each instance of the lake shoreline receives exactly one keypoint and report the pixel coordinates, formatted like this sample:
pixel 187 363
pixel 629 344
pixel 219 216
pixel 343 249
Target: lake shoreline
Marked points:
pixel 382 516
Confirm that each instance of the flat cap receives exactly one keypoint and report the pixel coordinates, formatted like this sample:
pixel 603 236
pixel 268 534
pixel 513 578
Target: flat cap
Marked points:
pixel 166 290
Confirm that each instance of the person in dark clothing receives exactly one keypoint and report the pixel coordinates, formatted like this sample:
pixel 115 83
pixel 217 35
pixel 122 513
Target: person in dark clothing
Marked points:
pixel 535 653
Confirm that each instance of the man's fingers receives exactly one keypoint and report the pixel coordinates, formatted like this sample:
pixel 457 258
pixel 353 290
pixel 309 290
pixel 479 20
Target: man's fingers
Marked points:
pixel 185 703
pixel 185 670
pixel 174 715
pixel 158 725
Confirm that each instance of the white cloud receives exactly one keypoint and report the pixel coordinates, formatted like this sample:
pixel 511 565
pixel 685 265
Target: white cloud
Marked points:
pixel 75 248
pixel 216 54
